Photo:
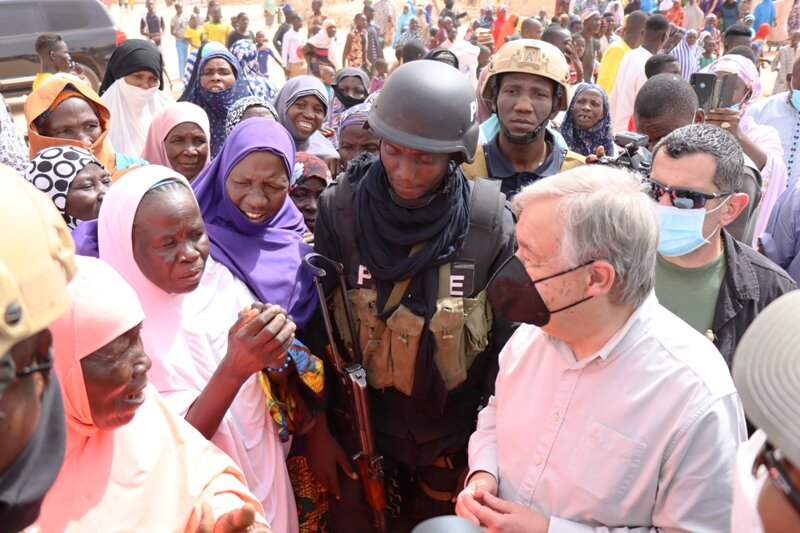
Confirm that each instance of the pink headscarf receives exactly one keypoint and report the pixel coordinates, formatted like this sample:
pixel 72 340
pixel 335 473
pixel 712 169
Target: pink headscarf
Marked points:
pixel 163 123
pixel 183 362
pixel 152 474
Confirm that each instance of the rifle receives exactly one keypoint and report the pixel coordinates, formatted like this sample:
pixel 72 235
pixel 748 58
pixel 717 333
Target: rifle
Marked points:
pixel 354 379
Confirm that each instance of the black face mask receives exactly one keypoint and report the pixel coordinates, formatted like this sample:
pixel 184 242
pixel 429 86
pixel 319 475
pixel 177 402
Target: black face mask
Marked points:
pixel 27 479
pixel 513 294
pixel 347 100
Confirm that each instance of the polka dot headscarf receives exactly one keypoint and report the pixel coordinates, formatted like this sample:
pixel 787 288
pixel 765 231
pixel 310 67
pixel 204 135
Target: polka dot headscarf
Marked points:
pixel 52 171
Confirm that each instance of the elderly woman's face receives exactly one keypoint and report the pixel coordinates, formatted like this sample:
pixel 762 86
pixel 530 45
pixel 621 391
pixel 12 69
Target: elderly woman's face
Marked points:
pixel 115 377
pixel 73 119
pixel 86 192
pixel 307 114
pixel 217 75
pixel 187 149
pixel 588 109
pixel 355 140
pixel 258 185
pixel 170 244
pixel 305 197
pixel 144 79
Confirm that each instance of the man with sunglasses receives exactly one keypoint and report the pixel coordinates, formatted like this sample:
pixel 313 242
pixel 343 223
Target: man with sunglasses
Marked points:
pixel 36 262
pixel 766 495
pixel 609 412
pixel 714 283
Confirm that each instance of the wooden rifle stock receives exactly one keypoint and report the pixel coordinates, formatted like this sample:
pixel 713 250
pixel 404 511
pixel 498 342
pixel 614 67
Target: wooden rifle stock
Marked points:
pixel 354 378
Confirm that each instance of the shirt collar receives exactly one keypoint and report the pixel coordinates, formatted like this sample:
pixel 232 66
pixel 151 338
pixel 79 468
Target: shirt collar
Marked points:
pixel 627 336
pixel 501 168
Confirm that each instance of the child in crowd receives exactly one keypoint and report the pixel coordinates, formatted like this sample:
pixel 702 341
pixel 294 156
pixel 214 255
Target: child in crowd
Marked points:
pixel 707 56
pixel 432 41
pixel 264 53
pixel 326 74
pixel 193 33
pixel 381 71
pixel 579 43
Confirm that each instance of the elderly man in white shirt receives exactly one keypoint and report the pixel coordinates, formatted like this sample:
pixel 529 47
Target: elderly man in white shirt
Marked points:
pixel 609 412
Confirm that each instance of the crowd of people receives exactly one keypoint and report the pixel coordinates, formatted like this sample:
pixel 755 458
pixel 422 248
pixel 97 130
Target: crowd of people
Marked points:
pixel 537 273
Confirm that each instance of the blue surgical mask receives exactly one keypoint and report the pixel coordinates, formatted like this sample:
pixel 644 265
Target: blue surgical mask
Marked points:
pixel 796 99
pixel 736 106
pixel 680 231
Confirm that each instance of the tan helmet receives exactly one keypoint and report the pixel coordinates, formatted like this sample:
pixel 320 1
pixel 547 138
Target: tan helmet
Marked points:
pixel 37 260
pixel 529 56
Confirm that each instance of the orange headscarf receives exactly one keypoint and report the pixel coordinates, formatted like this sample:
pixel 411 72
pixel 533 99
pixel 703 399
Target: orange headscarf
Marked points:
pixel 508 28
pixel 152 474
pixel 45 96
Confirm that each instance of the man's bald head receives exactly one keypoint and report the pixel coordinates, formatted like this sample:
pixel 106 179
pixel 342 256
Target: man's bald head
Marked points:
pixel 558 37
pixel 531 29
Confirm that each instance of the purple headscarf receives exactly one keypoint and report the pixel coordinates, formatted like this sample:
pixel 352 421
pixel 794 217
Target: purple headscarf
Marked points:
pixel 267 256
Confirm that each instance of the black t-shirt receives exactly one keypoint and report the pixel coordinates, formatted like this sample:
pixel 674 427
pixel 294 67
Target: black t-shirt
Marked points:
pixel 236 36
pixel 154 24
pixel 277 40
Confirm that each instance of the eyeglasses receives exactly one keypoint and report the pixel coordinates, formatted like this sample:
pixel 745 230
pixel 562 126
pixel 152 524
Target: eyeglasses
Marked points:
pixel 9 372
pixel 683 198
pixel 771 458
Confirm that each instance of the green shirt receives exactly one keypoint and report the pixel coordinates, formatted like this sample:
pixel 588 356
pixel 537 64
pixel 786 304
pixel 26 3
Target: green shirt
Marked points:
pixel 690 293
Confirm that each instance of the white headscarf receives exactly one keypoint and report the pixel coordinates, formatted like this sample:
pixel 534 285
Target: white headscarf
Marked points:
pixel 132 110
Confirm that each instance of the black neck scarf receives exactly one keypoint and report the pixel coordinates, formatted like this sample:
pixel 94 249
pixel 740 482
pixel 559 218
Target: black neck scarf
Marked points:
pixel 25 482
pixel 385 233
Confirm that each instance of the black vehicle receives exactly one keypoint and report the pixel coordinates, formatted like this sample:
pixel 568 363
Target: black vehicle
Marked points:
pixel 85 25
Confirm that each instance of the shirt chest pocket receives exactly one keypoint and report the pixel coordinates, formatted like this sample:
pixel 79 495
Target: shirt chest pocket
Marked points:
pixel 604 462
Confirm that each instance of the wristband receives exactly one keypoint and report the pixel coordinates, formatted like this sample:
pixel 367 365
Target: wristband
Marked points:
pixel 281 368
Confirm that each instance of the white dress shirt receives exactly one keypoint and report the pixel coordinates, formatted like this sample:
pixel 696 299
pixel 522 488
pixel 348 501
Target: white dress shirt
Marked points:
pixel 640 435
pixel 776 111
pixel 630 78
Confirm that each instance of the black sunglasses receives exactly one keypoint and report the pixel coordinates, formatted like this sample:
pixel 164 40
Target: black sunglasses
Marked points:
pixel 9 372
pixel 771 458
pixel 683 198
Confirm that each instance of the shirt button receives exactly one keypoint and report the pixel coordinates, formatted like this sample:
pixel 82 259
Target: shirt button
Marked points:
pixel 554 417
pixel 537 460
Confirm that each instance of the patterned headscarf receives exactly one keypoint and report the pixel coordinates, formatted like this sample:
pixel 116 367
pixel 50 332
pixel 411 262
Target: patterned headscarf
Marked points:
pixel 247 54
pixel 217 104
pixel 582 141
pixel 13 151
pixel 308 166
pixel 238 109
pixel 52 171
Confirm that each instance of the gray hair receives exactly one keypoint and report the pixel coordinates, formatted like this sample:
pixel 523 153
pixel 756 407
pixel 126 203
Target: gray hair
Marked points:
pixel 608 217
pixel 711 140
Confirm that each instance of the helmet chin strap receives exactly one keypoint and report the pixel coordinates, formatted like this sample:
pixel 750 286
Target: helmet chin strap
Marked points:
pixel 527 138
pixel 531 136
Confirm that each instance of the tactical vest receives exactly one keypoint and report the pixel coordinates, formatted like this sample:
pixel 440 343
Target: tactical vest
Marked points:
pixel 463 319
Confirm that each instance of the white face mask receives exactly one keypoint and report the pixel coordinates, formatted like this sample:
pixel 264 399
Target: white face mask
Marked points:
pixel 747 487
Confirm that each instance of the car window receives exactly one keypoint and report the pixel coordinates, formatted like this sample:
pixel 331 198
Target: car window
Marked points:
pixel 19 19
pixel 64 15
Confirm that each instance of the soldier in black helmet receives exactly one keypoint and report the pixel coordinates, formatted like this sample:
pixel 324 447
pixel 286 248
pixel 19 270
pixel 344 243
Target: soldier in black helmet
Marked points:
pixel 419 243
